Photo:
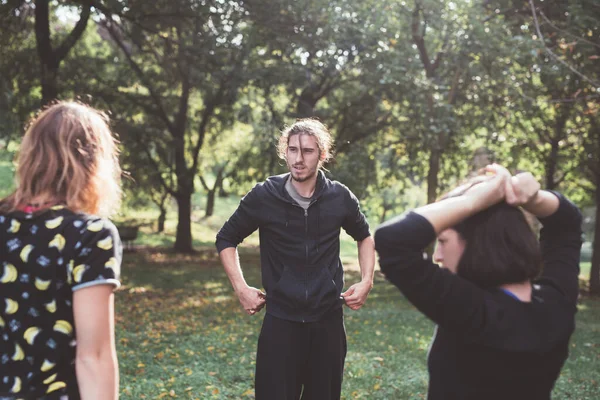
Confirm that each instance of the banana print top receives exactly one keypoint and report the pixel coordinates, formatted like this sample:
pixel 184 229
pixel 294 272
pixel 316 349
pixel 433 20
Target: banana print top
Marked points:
pixel 44 257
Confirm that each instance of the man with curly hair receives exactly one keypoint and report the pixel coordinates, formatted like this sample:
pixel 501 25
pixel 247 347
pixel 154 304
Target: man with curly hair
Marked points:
pixel 302 343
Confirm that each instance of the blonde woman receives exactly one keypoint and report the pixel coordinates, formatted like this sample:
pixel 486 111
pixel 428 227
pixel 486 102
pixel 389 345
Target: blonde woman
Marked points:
pixel 60 260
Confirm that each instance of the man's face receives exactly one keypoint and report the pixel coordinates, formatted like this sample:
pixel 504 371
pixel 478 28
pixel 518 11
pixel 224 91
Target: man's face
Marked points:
pixel 449 249
pixel 303 157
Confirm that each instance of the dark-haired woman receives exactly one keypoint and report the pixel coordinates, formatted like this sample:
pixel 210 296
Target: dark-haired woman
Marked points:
pixel 504 308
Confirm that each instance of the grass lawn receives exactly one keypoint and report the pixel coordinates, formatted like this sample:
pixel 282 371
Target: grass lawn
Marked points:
pixel 182 334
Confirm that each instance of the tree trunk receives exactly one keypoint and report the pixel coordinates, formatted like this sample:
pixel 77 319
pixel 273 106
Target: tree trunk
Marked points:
pixel 551 163
pixel 161 220
pixel 383 215
pixel 210 202
pixel 49 78
pixel 595 268
pixel 48 62
pixel 432 175
pixel 183 238
pixel 594 168
pixel 185 189
pixel 210 197
pixel 305 108
pixel 50 58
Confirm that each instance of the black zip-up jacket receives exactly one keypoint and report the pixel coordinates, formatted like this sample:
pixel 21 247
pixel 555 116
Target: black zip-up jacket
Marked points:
pixel 299 250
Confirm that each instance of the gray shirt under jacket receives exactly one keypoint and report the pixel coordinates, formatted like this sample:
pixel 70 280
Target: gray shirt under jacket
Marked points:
pixel 302 201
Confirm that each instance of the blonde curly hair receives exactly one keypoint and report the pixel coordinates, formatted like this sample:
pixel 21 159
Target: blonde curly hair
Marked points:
pixel 308 126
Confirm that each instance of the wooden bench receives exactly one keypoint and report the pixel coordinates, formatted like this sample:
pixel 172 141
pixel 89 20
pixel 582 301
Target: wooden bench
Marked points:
pixel 128 234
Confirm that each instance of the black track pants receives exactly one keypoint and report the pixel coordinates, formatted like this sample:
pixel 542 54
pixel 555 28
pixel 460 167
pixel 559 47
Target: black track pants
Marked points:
pixel 301 360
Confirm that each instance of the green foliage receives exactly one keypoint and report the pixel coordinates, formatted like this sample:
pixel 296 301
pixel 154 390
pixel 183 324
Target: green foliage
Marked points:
pixel 19 91
pixel 199 91
pixel 6 177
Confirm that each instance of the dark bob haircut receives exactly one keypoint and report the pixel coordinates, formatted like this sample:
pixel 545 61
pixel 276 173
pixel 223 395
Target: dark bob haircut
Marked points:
pixel 501 246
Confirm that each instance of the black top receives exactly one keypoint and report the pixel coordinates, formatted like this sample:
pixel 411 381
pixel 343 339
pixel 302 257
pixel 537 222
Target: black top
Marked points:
pixel 44 257
pixel 299 249
pixel 489 345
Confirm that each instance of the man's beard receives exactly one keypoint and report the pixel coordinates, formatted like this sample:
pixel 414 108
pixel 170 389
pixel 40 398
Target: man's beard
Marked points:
pixel 302 179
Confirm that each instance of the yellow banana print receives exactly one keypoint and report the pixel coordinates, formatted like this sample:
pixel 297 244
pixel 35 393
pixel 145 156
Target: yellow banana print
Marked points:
pixel 114 265
pixel 54 223
pixel 78 272
pixel 51 306
pixel 106 243
pixel 41 284
pixel 96 226
pixel 17 386
pixel 63 326
pixel 47 366
pixel 14 226
pixel 58 242
pixel 2 323
pixel 25 252
pixel 30 334
pixel 19 355
pixel 70 271
pixel 11 306
pixel 57 207
pixel 50 379
pixel 55 386
pixel 10 274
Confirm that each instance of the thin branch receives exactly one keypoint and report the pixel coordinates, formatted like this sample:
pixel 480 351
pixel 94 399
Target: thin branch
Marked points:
pixel 12 5
pixel 157 168
pixel 502 12
pixel 204 184
pixel 442 52
pixel 140 73
pixel 454 87
pixel 108 13
pixel 420 41
pixel 75 34
pixel 551 53
pixel 567 32
pixel 557 101
pixel 184 71
pixel 588 188
pixel 566 173
pixel 206 115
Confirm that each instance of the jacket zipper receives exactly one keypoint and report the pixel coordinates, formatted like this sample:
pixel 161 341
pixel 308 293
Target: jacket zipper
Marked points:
pixel 306 234
pixel 305 243
pixel 306 247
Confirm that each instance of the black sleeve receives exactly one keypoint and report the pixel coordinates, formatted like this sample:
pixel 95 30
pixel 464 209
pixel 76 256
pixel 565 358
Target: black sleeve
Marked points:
pixel 98 255
pixel 242 223
pixel 355 223
pixel 445 298
pixel 560 242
